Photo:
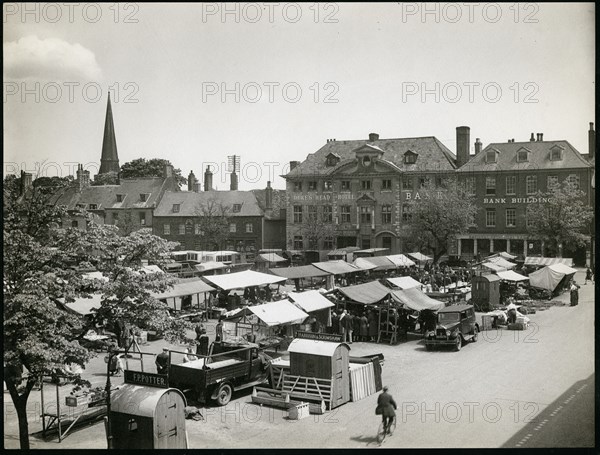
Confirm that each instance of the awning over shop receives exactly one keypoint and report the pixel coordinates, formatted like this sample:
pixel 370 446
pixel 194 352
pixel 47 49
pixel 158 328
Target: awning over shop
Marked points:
pixel 420 257
pixel 277 313
pixel 501 262
pixel 270 257
pixel 400 260
pixel 509 275
pixel 492 266
pixel 532 260
pixel 546 278
pixel 405 282
pixel 244 279
pixel 184 288
pixel 414 299
pixel 310 300
pixel 336 267
pixel 371 292
pixel 303 271
pixel 380 262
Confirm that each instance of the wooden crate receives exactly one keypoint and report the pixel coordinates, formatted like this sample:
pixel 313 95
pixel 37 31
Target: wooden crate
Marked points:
pixel 279 399
pixel 299 411
pixel 487 322
pixel 308 388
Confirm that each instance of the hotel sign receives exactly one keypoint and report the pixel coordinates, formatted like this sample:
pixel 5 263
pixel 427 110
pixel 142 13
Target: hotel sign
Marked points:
pixel 147 379
pixel 322 197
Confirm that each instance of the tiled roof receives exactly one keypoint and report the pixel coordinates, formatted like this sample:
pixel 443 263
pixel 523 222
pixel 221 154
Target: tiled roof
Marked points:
pixel 432 155
pixel 190 202
pixel 279 202
pixel 105 196
pixel 539 158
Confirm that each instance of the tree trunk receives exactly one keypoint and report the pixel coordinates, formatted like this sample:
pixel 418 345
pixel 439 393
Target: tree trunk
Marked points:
pixel 20 402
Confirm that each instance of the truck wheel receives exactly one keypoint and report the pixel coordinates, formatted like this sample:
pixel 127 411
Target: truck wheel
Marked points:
pixel 458 344
pixel 428 347
pixel 224 394
pixel 475 334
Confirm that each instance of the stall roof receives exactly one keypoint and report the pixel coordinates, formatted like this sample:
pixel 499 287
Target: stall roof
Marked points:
pixel 145 399
pixel 492 266
pixel 372 250
pixel 363 264
pixel 510 275
pixel 310 300
pixel 342 251
pixel 546 278
pixel 533 260
pixel 303 271
pixel 489 277
pixel 562 268
pixel 405 282
pixel 244 279
pixel 182 288
pixel 499 261
pixel 401 260
pixel 453 308
pixel 315 347
pixel 206 266
pixel 338 267
pixel 370 292
pixel 381 262
pixel 270 257
pixel 420 257
pixel 414 299
pixel 502 254
pixel 277 313
pixel 84 306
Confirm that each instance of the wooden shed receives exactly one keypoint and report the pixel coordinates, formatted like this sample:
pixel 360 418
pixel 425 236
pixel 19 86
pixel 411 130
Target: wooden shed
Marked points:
pixel 320 367
pixel 144 417
pixel 485 291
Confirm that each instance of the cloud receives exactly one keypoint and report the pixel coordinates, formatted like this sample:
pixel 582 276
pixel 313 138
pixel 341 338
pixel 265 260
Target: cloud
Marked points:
pixel 50 59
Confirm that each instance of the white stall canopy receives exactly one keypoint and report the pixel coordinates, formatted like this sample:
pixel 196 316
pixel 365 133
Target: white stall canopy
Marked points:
pixel 240 280
pixel 278 313
pixel 415 300
pixel 533 260
pixel 405 282
pixel 310 300
pixel 336 267
pixel 420 257
pixel 509 275
pixel 400 260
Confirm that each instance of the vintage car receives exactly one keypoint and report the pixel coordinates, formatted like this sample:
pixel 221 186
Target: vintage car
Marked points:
pixel 455 325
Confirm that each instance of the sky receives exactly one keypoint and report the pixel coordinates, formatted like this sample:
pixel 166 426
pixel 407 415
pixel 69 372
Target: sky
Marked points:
pixel 271 82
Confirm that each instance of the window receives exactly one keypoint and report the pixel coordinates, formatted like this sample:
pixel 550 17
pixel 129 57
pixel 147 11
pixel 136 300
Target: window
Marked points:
pixel 386 214
pixel 197 229
pixel 298 243
pixel 406 212
pixel 511 217
pixel 312 186
pixel 410 158
pixel 365 215
pixel 237 208
pixel 490 156
pixel 345 185
pixel 166 229
pixel 573 179
pixel 327 214
pixel 297 214
pixel 556 154
pixel 470 186
pixel 176 208
pixel 232 227
pixel 438 182
pixel 312 213
pixel 182 229
pixel 327 185
pixel 511 184
pixel 120 197
pixel 345 210
pixel 531 184
pixel 93 207
pixel 522 156
pixel 365 184
pixel 328 243
pixel 366 161
pixel 386 184
pixel 386 242
pixel 74 224
pixel 80 206
pixel 552 181
pixel 331 160
pixel 144 197
pixel 528 222
pixel 490 185
pixel 490 217
pixel 298 187
pixel 249 228
pixel 407 183
pixel 422 181
pixel 115 216
pixel 143 218
pixel 366 243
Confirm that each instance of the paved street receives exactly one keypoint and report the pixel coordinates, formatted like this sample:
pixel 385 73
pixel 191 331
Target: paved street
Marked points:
pixel 509 389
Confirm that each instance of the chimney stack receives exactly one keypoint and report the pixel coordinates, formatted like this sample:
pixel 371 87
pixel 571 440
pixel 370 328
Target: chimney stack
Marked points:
pixel 269 197
pixel 477 146
pixel 83 177
pixel 168 171
pixel 233 186
pixel 191 181
pixel 26 182
pixel 294 164
pixel 532 139
pixel 208 176
pixel 373 137
pixel 591 142
pixel 463 141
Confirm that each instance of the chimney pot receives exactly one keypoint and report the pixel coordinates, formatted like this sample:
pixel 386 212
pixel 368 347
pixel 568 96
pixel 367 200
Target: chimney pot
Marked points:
pixel 463 143
pixel 208 177
pixel 591 142
pixel 168 171
pixel 269 197
pixel 373 137
pixel 477 146
pixel 532 138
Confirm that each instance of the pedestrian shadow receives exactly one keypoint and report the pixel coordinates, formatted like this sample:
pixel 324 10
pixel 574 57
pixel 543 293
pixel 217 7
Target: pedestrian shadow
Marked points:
pixel 367 440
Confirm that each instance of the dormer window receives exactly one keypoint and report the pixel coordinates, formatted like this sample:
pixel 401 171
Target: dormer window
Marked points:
pixel 93 207
pixel 366 161
pixel 120 197
pixel 237 208
pixel 522 156
pixel 80 206
pixel 144 197
pixel 332 159
pixel 176 208
pixel 410 157
pixel 490 156
pixel 556 153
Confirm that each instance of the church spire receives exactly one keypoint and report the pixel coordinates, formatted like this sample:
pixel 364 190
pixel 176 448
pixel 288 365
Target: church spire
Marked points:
pixel 110 159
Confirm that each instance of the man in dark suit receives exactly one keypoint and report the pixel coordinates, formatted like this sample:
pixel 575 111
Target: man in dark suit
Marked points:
pixel 387 406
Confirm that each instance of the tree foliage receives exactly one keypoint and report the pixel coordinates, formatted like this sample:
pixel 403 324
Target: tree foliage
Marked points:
pixel 149 168
pixel 109 178
pixel 438 215
pixel 560 216
pixel 314 230
pixel 213 218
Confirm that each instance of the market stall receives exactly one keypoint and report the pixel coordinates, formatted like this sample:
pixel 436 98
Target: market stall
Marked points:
pixel 300 273
pixel 401 260
pixel 186 294
pixel 244 279
pixel 552 277
pixel 485 291
pixel 416 300
pixel 264 261
pixel 315 304
pixel 380 263
pixel 344 254
pixel 336 268
pixel 370 252
pixel 405 282
pixel 540 261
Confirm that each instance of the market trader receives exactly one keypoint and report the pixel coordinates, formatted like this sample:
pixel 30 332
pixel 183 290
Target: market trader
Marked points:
pixel 162 362
pixel 386 406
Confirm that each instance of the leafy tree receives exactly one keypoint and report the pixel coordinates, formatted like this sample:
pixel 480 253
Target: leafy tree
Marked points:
pixel 110 178
pixel 314 230
pixel 560 217
pixel 213 218
pixel 149 168
pixel 439 214
pixel 127 223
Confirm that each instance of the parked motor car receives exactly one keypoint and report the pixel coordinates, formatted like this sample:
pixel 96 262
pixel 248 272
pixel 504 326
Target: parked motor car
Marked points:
pixel 455 325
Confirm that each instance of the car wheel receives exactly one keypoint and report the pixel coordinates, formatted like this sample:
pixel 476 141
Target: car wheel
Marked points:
pixel 458 344
pixel 224 394
pixel 475 334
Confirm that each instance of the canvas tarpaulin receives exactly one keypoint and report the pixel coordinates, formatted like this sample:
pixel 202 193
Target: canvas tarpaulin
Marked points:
pixel 563 269
pixel 303 271
pixel 184 288
pixel 239 280
pixel 405 282
pixel 501 262
pixel 400 260
pixel 380 262
pixel 492 266
pixel 310 300
pixel 414 299
pixel 371 292
pixel 533 260
pixel 420 257
pixel 509 275
pixel 277 313
pixel 270 257
pixel 336 267
pixel 363 264
pixel 546 278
